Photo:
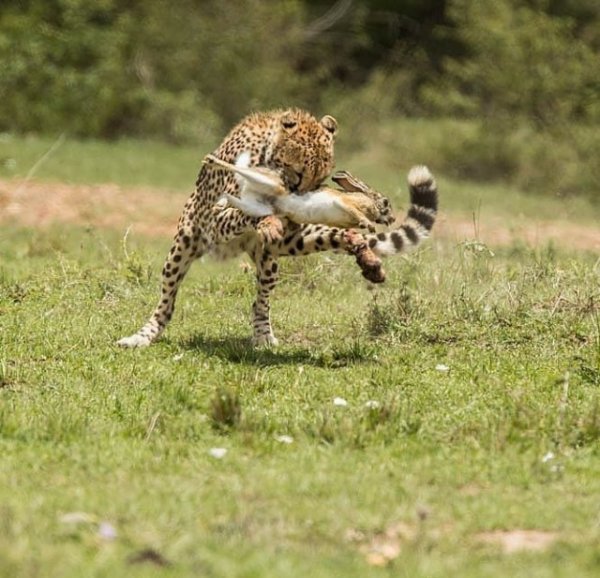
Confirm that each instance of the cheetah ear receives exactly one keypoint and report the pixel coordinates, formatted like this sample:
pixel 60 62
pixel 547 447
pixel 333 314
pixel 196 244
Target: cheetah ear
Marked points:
pixel 329 123
pixel 288 120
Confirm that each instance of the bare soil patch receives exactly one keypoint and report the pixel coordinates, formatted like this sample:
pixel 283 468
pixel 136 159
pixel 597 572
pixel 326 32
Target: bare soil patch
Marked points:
pixel 146 211
pixel 512 541
pixel 154 212
pixel 498 231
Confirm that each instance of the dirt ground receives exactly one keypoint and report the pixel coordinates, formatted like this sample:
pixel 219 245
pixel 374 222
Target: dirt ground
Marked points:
pixel 153 212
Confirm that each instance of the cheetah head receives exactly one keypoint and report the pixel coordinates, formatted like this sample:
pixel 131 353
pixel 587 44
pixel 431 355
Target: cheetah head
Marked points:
pixel 302 149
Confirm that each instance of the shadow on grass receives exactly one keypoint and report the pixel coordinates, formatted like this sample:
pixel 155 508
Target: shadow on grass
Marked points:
pixel 240 350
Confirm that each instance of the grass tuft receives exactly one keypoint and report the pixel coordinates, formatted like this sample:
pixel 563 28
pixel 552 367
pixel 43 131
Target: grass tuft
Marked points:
pixel 226 409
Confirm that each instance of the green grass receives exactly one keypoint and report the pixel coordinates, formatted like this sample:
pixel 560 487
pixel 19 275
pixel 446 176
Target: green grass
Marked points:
pixel 124 436
pixel 125 162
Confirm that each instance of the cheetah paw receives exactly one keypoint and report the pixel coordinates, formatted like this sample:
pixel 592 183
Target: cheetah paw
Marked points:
pixel 270 229
pixel 265 341
pixel 135 340
pixel 369 263
pixel 220 205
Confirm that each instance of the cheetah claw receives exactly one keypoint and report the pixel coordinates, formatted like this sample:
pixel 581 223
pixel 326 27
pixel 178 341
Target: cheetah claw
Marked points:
pixel 270 229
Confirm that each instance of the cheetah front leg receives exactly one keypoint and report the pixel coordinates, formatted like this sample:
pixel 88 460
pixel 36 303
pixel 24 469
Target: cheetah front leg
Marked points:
pixel 188 245
pixel 307 239
pixel 267 270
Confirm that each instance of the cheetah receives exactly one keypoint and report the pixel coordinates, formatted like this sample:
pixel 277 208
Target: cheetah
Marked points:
pixel 263 193
pixel 301 149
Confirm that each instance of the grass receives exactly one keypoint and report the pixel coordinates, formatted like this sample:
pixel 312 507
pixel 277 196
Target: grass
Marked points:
pixel 126 162
pixel 472 388
pixel 124 436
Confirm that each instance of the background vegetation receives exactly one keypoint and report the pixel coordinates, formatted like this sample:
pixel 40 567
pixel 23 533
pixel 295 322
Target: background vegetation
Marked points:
pixel 523 75
pixel 446 423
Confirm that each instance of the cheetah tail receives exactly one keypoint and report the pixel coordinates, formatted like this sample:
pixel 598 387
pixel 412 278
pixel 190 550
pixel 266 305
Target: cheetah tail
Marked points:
pixel 418 222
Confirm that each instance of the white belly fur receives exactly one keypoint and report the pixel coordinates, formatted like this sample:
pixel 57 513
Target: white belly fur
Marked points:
pixel 313 207
pixel 250 205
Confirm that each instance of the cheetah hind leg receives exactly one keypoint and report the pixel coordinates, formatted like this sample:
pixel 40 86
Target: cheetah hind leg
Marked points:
pixel 266 278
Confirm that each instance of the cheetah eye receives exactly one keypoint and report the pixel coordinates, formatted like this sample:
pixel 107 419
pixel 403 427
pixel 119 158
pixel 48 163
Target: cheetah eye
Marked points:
pixel 386 203
pixel 289 123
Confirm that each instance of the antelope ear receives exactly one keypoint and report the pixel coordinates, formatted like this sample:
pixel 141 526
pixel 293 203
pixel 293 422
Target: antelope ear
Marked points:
pixel 329 123
pixel 288 120
pixel 346 181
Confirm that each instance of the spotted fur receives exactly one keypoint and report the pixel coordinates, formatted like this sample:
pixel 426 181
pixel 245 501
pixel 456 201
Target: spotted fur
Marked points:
pixel 301 149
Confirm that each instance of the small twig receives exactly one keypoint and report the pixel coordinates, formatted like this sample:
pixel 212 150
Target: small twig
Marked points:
pixel 562 404
pixel 125 242
pixel 597 324
pixel 476 218
pixel 556 304
pixel 328 20
pixel 152 425
pixel 57 143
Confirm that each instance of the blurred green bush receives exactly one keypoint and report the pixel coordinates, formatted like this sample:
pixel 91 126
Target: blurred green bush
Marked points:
pixel 525 72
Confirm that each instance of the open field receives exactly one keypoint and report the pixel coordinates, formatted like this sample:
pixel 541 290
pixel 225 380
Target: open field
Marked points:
pixel 468 443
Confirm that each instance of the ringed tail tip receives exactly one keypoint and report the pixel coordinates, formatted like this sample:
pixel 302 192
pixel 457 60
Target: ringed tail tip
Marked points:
pixel 420 176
